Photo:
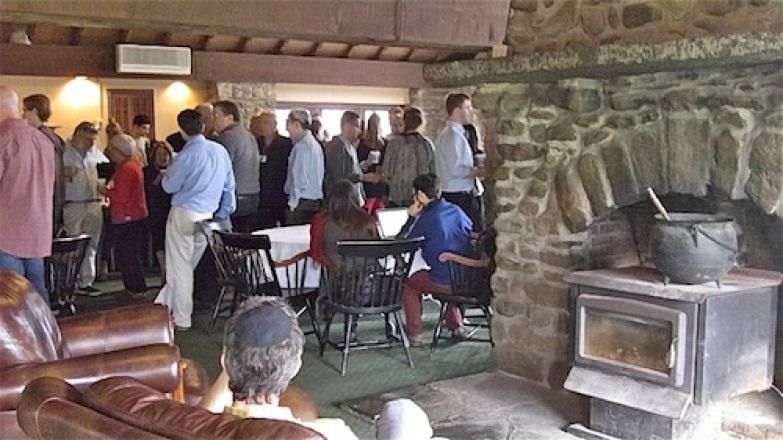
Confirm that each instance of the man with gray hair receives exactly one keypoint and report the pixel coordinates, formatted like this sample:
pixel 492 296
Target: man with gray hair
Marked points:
pixel 274 150
pixel 304 183
pixel 82 211
pixel 262 352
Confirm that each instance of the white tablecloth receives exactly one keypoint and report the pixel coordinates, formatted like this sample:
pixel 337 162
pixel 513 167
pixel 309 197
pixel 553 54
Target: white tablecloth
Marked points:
pixel 288 241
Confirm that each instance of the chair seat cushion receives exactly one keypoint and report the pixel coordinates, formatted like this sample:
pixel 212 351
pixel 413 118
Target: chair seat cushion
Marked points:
pixel 125 399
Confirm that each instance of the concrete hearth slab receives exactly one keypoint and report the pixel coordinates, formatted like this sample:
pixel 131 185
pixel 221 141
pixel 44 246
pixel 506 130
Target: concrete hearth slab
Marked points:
pixel 754 416
pixel 489 406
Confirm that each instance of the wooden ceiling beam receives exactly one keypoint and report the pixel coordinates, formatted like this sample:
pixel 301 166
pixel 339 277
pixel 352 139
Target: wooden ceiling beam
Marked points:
pixel 442 23
pixel 205 39
pixel 407 56
pixel 378 53
pixel 313 49
pixel 278 49
pixel 242 44
pixel 347 52
pixel 30 31
pixel 76 36
pixel 61 60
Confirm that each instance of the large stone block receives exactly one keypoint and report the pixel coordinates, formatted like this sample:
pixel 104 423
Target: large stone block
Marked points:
pixel 689 153
pixel 546 293
pixel 640 14
pixel 593 20
pixel 561 20
pixel 646 149
pixel 619 171
pixel 592 173
pixel 579 95
pixel 572 200
pixel 765 185
pixel 726 167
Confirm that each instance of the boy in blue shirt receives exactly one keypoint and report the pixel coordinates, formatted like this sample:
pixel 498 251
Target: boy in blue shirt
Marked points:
pixel 445 228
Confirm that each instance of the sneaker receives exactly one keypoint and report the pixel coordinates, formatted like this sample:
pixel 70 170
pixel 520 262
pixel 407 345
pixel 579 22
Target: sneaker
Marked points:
pixel 459 333
pixel 416 340
pixel 180 329
pixel 89 291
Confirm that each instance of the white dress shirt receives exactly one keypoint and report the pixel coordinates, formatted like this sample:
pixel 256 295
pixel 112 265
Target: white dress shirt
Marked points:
pixel 454 159
pixel 83 187
pixel 305 171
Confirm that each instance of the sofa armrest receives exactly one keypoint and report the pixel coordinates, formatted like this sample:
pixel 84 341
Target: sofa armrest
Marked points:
pixel 154 365
pixel 118 329
pixel 51 408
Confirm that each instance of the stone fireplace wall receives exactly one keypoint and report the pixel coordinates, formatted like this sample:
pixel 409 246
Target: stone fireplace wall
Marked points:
pixel 539 26
pixel 568 152
pixel 250 97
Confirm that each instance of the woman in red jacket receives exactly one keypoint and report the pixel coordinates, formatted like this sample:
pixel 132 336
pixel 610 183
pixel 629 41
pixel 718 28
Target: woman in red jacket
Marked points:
pixel 128 207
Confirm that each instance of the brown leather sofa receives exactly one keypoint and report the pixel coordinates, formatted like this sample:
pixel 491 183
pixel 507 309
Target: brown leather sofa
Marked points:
pixel 123 408
pixel 134 341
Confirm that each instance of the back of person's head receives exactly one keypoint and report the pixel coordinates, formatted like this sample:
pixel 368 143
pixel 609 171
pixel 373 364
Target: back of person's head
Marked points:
pixel 228 108
pixel 349 117
pixel 454 101
pixel 9 103
pixel 429 184
pixel 85 128
pixel 413 117
pixel 300 116
pixel 123 143
pixel 315 127
pixel 344 207
pixel 190 122
pixel 141 119
pixel 402 419
pixel 41 105
pixel 262 349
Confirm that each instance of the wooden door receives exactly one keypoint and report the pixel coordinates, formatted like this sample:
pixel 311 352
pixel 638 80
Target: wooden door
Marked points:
pixel 124 104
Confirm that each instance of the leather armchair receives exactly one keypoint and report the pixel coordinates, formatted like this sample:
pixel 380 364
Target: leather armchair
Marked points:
pixel 121 407
pixel 134 341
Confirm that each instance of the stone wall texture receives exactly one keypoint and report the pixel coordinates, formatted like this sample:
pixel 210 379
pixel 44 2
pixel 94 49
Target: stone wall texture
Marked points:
pixel 250 97
pixel 566 153
pixel 539 26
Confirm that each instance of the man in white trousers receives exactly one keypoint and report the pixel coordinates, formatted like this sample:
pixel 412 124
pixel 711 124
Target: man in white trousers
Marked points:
pixel 201 182
pixel 82 213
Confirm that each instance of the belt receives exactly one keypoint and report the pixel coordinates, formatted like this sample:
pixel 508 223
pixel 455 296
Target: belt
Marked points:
pixel 310 200
pixel 458 192
pixel 67 202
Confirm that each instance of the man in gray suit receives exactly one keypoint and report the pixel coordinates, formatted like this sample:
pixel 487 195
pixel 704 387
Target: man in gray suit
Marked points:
pixel 340 157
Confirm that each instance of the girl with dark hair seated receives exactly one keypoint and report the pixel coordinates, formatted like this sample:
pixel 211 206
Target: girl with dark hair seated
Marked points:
pixel 341 219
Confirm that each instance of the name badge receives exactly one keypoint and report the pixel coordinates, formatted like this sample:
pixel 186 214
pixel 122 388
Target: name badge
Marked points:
pixel 263 158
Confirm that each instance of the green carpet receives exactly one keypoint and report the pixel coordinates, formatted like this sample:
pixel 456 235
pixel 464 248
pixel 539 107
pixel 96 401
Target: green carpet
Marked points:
pixel 370 372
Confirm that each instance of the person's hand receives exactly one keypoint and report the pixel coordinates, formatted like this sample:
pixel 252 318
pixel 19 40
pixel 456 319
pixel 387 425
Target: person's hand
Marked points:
pixel 415 208
pixel 103 189
pixel 69 171
pixel 479 172
pixel 371 177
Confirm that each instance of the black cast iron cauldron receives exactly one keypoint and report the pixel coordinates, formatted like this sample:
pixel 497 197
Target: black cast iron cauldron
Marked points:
pixel 693 248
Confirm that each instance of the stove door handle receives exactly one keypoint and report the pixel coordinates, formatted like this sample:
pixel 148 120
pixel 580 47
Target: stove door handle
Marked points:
pixel 671 356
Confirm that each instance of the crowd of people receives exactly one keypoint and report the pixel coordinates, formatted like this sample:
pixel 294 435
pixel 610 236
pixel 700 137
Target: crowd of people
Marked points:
pixel 215 168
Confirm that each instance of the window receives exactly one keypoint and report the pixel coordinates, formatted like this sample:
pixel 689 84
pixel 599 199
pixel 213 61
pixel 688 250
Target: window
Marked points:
pixel 330 115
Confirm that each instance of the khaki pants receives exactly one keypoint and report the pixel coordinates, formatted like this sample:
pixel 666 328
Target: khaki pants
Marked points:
pixel 85 218
pixel 185 244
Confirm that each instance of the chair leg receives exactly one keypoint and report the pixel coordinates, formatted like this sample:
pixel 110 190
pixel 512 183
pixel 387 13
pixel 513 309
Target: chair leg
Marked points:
pixel 313 319
pixel 325 335
pixel 439 325
pixel 347 340
pixel 405 342
pixel 488 316
pixel 217 308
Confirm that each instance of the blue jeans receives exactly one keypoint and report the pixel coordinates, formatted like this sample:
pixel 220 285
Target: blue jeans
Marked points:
pixel 30 268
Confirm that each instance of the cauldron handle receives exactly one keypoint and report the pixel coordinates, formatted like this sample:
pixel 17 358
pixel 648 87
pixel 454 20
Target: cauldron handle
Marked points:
pixel 697 228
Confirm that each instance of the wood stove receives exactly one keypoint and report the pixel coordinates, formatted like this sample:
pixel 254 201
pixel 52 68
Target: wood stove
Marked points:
pixel 654 358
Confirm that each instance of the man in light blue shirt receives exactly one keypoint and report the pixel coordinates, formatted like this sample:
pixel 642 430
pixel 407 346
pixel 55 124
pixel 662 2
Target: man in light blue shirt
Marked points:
pixel 304 183
pixel 202 185
pixel 454 159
